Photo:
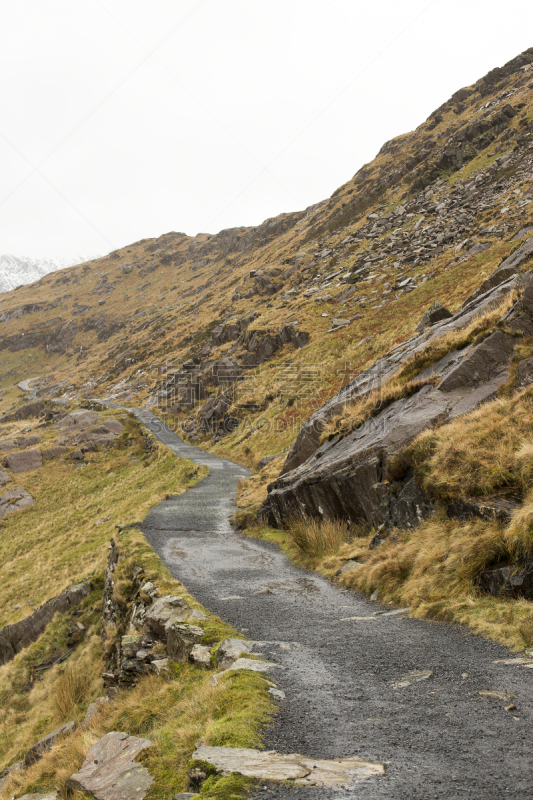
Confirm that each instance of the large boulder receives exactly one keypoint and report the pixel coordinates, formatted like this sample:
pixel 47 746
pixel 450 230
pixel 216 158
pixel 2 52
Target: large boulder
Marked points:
pixel 110 770
pixel 435 314
pixel 28 461
pixel 15 500
pixel 346 476
pixel 78 420
pixel 33 409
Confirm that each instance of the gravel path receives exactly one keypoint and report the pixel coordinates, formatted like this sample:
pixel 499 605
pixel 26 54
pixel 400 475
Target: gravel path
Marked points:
pixel 438 738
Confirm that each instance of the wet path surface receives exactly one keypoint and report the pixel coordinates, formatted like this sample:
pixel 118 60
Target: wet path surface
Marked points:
pixel 438 738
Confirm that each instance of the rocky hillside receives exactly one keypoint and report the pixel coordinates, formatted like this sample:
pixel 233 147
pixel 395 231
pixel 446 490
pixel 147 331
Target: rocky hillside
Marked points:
pixel 241 336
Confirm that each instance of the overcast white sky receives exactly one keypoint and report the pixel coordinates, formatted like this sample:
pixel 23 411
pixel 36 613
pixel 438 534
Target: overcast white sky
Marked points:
pixel 125 119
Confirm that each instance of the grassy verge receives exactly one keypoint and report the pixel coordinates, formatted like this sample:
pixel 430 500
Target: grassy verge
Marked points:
pixel 64 538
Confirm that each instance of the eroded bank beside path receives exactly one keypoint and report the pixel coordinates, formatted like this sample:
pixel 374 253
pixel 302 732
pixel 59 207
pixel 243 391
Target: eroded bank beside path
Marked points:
pixel 355 683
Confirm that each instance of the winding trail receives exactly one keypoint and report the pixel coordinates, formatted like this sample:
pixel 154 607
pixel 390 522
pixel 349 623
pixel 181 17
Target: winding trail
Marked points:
pixel 439 738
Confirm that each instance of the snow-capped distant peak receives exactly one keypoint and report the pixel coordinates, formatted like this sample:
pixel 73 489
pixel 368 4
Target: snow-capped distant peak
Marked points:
pixel 19 270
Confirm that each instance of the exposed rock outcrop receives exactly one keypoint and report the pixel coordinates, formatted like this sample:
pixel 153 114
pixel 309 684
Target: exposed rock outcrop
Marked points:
pixel 346 476
pixel 13 638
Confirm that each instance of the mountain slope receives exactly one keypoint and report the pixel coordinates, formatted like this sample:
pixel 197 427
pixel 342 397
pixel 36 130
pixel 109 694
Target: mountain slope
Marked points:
pixel 296 307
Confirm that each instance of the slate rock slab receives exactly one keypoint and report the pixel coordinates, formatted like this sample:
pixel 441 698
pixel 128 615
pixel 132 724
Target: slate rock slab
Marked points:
pixel 36 752
pixel 273 766
pixel 110 771
pixel 28 461
pixel 15 500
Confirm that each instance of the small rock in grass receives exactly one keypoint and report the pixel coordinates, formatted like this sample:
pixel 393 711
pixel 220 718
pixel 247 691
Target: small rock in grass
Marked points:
pixel 201 656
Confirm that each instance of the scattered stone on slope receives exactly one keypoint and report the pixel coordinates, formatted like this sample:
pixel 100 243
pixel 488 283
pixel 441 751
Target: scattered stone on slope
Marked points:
pixel 110 771
pixel 15 500
pixel 36 752
pixel 54 452
pixel 4 478
pixel 78 420
pixel 272 766
pixel 28 461
pixel 13 638
pixel 92 711
pixel 350 566
pixel 487 508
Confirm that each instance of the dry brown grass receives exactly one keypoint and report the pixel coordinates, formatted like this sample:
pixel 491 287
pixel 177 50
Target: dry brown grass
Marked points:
pixel 434 570
pixel 71 689
pixel 317 538
pixel 483 452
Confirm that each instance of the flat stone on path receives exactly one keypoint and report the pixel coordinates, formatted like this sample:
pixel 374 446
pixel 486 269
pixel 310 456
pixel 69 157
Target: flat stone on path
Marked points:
pixel 268 765
pixel 49 796
pixel 110 771
pixel 498 695
pixel 413 676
